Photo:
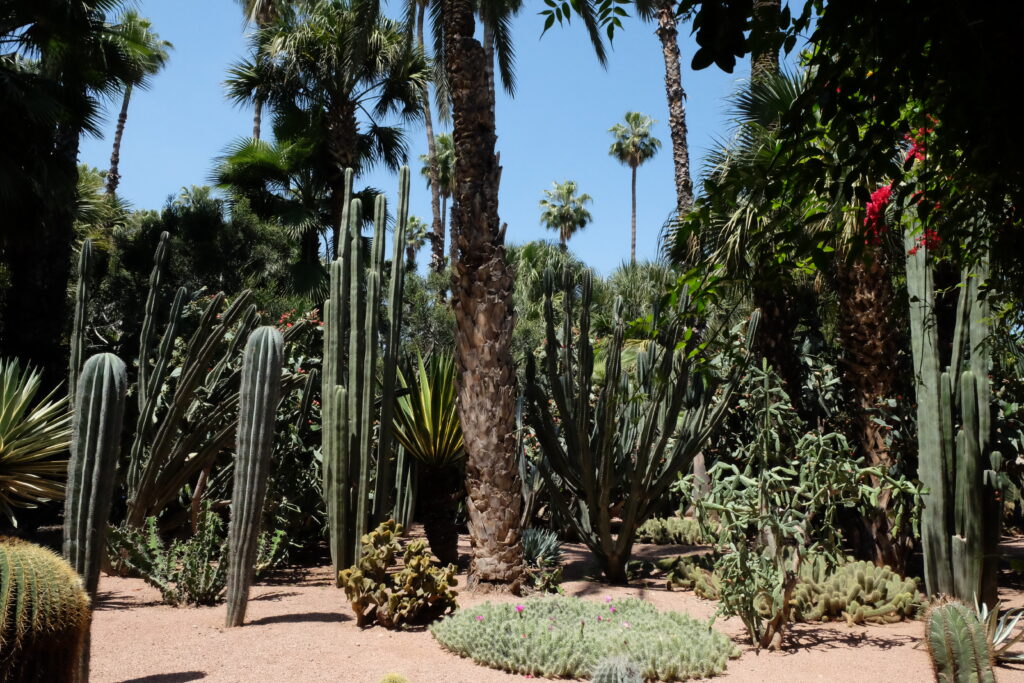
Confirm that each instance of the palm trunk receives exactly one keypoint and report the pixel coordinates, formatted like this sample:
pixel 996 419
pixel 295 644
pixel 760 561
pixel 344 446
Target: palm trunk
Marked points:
pixel 439 510
pixel 257 118
pixel 482 302
pixel 668 34
pixel 764 58
pixel 342 133
pixel 437 226
pixel 632 248
pixel 775 335
pixel 113 174
pixel 868 337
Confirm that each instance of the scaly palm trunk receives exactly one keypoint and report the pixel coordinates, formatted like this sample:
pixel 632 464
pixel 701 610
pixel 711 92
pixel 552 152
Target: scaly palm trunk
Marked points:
pixel 764 59
pixel 482 301
pixel 342 134
pixel 668 34
pixel 113 173
pixel 437 226
pixel 868 336
pixel 257 118
pixel 775 335
pixel 632 246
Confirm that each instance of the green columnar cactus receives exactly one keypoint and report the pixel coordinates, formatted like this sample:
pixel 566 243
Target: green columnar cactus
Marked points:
pixel 257 404
pixel 352 345
pixel 81 309
pixel 617 670
pixel 645 427
pixel 44 615
pixel 95 443
pixel 958 645
pixel 960 523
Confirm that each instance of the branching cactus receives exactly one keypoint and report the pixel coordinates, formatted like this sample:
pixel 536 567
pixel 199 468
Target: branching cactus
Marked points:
pixel 44 615
pixel 258 397
pixel 644 428
pixel 960 523
pixel 958 645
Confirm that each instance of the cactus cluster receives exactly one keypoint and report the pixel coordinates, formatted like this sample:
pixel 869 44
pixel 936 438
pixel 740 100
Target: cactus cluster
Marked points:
pixel 670 531
pixel 257 405
pixel 418 591
pixel 958 645
pixel 617 670
pixel 960 522
pixel 352 346
pixel 694 573
pixel 565 637
pixel 859 592
pixel 44 615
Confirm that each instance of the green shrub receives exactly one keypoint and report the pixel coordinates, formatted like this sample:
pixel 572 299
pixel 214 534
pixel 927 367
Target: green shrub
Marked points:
pixel 191 572
pixel 418 591
pixel 670 530
pixel 563 637
pixel 858 592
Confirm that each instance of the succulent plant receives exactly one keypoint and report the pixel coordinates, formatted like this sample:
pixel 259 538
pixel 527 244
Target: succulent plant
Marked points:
pixel 958 646
pixel 860 592
pixel 44 615
pixel 617 670
pixel 670 530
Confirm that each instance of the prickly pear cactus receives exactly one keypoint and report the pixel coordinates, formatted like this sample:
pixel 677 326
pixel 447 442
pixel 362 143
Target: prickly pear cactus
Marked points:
pixel 617 670
pixel 958 645
pixel 860 592
pixel 44 615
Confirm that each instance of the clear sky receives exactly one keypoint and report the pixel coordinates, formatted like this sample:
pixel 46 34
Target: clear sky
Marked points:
pixel 556 128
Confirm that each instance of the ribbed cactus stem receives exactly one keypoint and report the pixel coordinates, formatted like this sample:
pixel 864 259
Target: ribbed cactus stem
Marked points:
pixel 257 405
pixel 95 443
pixel 81 310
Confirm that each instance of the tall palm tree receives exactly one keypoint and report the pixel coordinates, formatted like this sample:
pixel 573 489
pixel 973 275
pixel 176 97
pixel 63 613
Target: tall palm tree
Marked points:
pixel 261 13
pixel 416 233
pixel 633 146
pixel 353 66
pixel 439 170
pixel 564 211
pixel 154 56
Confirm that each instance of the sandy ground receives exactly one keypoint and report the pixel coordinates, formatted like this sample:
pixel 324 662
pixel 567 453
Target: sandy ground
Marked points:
pixel 299 628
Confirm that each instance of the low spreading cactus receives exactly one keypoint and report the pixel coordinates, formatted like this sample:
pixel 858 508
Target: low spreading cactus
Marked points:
pixel 617 670
pixel 394 678
pixel 670 531
pixel 419 591
pixel 859 592
pixel 564 637
pixel 692 573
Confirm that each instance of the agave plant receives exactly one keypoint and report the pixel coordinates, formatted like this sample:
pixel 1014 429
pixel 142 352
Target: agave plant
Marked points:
pixel 999 629
pixel 31 434
pixel 426 423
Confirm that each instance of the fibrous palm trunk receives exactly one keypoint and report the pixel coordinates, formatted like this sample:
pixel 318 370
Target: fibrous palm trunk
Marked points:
pixel 632 244
pixel 668 34
pixel 437 225
pixel 442 488
pixel 257 118
pixel 776 334
pixel 868 336
pixel 113 173
pixel 764 58
pixel 482 301
pixel 342 134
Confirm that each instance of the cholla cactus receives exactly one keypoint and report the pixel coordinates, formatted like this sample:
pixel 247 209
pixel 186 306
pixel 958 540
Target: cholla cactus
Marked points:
pixel 44 615
pixel 617 670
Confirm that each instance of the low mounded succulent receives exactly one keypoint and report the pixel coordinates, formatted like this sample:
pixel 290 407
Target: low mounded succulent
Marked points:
pixel 617 670
pixel 671 531
pixel 859 592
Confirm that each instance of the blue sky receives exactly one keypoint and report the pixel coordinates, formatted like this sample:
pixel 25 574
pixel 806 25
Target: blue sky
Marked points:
pixel 556 127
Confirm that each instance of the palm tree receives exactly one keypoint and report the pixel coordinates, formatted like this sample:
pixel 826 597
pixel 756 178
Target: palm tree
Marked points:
pixel 564 211
pixel 261 13
pixel 439 170
pixel 342 60
pixel 415 236
pixel 633 146
pixel 154 54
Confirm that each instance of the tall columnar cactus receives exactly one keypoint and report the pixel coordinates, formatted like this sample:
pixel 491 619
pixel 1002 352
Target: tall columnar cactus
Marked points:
pixel 95 443
pixel 44 615
pixel 958 645
pixel 257 405
pixel 352 345
pixel 81 309
pixel 960 522
pixel 645 427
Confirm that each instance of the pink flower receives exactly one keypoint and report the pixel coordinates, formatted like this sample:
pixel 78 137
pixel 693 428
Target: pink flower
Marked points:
pixel 608 598
pixel 479 617
pixel 612 608
pixel 519 608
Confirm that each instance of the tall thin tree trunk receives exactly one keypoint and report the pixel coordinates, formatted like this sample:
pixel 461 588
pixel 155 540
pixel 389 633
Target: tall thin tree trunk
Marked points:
pixel 632 247
pixel 668 34
pixel 113 173
pixel 482 301
pixel 764 58
pixel 257 118
pixel 342 133
pixel 437 226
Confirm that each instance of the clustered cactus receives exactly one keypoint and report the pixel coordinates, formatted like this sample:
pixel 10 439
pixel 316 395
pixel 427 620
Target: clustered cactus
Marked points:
pixel 960 521
pixel 617 670
pixel 350 388
pixel 670 531
pixel 564 637
pixel 418 591
pixel 859 592
pixel 692 573
pixel 44 615
pixel 958 645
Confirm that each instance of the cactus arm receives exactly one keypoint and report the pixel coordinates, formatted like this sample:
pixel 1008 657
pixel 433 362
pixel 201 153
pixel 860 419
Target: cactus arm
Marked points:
pixel 78 328
pixel 258 398
pixel 146 337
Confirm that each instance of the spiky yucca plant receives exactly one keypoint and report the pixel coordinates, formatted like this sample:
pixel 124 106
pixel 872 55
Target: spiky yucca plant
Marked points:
pixel 31 434
pixel 426 423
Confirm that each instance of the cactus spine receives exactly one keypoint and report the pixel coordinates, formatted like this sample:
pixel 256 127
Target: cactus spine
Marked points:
pixel 960 522
pixel 44 615
pixel 958 645
pixel 258 397
pixel 81 309
pixel 352 345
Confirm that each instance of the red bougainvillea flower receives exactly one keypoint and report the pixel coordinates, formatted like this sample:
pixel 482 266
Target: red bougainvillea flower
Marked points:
pixel 874 219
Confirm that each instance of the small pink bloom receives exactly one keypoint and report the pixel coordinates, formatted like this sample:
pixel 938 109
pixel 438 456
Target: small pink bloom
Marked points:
pixel 608 598
pixel 519 608
pixel 479 617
